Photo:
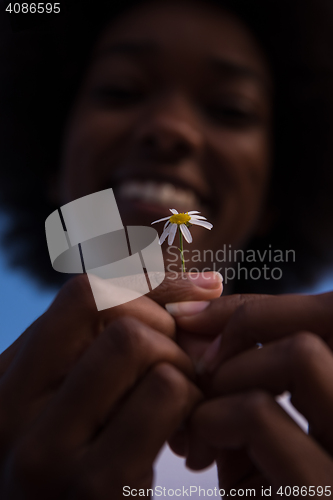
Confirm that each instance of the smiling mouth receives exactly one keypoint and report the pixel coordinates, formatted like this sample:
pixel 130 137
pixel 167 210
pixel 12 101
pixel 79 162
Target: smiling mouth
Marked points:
pixel 159 194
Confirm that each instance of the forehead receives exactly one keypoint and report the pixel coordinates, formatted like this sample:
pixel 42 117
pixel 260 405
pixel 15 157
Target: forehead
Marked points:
pixel 189 29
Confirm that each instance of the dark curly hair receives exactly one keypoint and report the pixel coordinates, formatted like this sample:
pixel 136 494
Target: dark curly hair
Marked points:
pixel 40 72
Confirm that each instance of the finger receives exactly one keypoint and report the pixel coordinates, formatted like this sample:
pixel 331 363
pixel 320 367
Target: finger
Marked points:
pixel 200 455
pixel 192 290
pixel 188 287
pixel 236 470
pixel 281 451
pixel 194 344
pixel 200 322
pixel 135 435
pixel 72 322
pixel 179 441
pixel 301 364
pixel 211 320
pixel 59 338
pixel 267 319
pixel 108 370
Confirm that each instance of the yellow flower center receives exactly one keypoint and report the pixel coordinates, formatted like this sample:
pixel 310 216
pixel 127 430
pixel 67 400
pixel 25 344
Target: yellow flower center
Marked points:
pixel 180 218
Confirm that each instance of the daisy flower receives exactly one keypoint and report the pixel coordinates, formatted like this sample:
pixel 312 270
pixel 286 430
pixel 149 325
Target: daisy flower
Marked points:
pixel 182 222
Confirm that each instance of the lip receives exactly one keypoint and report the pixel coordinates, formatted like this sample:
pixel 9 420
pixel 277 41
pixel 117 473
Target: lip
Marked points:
pixel 154 211
pixel 206 200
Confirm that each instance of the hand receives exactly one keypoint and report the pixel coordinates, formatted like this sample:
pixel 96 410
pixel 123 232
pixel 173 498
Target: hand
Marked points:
pixel 36 369
pixel 75 300
pixel 268 448
pixel 77 415
pixel 246 320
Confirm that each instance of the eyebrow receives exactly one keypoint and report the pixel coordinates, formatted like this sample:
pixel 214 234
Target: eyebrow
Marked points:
pixel 233 70
pixel 225 67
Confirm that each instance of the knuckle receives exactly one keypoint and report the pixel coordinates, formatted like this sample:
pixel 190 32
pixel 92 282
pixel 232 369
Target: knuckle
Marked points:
pixel 304 349
pixel 247 308
pixel 78 290
pixel 172 289
pixel 241 313
pixel 126 336
pixel 257 407
pixel 240 299
pixel 246 303
pixel 78 285
pixel 158 293
pixel 166 382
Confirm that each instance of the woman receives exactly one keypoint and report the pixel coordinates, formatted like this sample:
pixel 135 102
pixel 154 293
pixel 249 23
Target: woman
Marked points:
pixel 205 97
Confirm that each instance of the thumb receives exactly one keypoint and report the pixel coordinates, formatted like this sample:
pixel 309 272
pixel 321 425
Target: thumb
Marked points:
pixel 184 287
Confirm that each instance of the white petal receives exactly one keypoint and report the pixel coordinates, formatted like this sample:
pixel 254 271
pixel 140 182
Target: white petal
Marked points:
pixel 164 235
pixel 160 220
pixel 186 233
pixel 202 223
pixel 197 217
pixel 166 224
pixel 193 212
pixel 172 233
pixel 173 211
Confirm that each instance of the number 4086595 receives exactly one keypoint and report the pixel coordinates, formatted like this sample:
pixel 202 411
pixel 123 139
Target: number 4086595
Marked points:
pixel 33 8
pixel 310 491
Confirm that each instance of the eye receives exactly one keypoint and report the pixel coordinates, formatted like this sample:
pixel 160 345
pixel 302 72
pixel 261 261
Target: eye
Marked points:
pixel 232 114
pixel 117 96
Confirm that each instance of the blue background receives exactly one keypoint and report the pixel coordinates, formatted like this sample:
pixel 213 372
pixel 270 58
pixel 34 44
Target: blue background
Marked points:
pixel 22 301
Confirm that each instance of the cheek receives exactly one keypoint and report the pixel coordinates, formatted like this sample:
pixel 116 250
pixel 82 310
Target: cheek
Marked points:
pixel 92 145
pixel 245 158
pixel 252 173
pixel 248 160
pixel 242 181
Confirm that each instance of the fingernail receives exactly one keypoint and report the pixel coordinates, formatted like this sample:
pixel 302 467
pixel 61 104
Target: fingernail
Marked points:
pixel 186 308
pixel 212 279
pixel 207 363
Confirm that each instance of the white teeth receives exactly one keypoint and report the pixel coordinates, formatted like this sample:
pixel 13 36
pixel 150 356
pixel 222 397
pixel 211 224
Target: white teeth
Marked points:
pixel 167 192
pixel 163 194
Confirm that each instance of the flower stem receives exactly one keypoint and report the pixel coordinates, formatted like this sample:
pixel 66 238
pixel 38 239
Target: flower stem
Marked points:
pixel 181 249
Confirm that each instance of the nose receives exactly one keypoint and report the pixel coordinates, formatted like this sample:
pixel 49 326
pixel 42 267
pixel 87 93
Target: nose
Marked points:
pixel 169 132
